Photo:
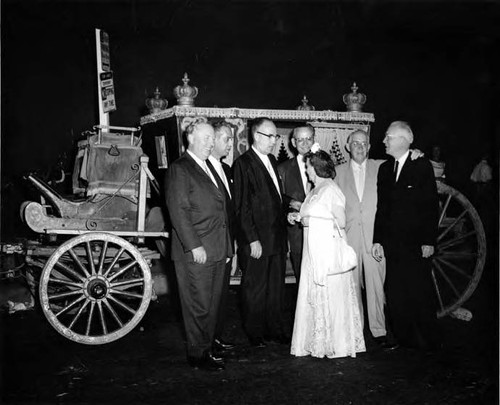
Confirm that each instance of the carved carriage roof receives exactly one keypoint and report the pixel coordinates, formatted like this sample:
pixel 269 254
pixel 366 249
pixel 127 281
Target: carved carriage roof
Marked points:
pixel 252 113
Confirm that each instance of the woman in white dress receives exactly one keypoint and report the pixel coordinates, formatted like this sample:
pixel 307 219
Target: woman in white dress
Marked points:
pixel 327 318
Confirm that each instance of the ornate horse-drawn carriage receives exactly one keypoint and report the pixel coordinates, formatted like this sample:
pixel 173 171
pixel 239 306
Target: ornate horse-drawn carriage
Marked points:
pixel 96 281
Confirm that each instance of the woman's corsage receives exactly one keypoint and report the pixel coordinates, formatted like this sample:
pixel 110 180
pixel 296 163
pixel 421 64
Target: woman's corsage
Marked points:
pixel 315 148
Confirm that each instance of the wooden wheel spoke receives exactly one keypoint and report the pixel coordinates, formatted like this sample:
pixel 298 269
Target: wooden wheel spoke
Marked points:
pixel 89 319
pixel 75 258
pixel 454 241
pixel 64 282
pixel 115 259
pixel 122 304
pixel 95 287
pixel 128 283
pixel 452 225
pixel 65 294
pixel 454 267
pixel 123 270
pixel 447 279
pixel 90 258
pixel 438 293
pixel 443 212
pixel 70 305
pixel 102 318
pixel 457 255
pixel 103 256
pixel 69 270
pixel 78 314
pixel 113 312
pixel 125 293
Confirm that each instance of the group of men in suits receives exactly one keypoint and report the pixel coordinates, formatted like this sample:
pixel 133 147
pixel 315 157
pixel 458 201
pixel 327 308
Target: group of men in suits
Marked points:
pixel 211 206
pixel 209 209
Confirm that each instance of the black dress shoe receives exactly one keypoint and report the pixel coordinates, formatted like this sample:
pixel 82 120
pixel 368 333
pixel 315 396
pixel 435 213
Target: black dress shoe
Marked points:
pixel 385 343
pixel 220 345
pixel 388 346
pixel 257 342
pixel 207 362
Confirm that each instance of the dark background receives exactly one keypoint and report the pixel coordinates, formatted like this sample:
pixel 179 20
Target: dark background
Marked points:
pixel 433 64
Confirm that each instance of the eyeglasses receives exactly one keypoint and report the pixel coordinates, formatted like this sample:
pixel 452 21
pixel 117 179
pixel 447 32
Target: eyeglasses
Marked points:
pixel 304 140
pixel 270 135
pixel 357 144
pixel 391 137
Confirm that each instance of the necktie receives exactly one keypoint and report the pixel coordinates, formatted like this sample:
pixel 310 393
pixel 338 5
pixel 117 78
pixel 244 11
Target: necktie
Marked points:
pixel 396 165
pixel 273 176
pixel 223 177
pixel 360 181
pixel 209 173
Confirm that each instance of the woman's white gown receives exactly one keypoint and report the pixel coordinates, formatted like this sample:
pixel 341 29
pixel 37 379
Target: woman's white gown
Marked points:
pixel 327 317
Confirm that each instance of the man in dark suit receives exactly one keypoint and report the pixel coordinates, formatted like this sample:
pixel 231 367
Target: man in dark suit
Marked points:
pixel 405 233
pixel 261 237
pixel 223 143
pixel 201 243
pixel 295 187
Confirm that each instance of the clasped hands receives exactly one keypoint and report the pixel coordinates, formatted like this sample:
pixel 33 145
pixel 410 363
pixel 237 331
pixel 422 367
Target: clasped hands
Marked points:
pixel 378 251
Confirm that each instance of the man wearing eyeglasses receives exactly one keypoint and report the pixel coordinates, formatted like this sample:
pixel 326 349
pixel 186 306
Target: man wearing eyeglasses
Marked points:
pixel 358 181
pixel 295 187
pixel 261 236
pixel 405 234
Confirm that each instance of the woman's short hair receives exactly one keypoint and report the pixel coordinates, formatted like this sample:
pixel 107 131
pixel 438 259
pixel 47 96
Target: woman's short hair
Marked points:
pixel 322 163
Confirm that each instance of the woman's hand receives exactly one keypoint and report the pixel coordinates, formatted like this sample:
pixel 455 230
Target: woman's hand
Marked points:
pixel 304 221
pixel 293 217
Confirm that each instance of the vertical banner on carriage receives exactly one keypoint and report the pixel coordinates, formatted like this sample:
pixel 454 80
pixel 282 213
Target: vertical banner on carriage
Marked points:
pixel 107 92
pixel 105 87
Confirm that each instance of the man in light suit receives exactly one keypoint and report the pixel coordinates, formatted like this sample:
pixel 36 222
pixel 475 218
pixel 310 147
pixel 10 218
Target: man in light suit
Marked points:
pixel 405 234
pixel 295 187
pixel 262 244
pixel 223 143
pixel 201 243
pixel 358 181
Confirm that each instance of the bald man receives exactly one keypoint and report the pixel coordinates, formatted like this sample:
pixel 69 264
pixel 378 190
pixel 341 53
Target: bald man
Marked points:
pixel 262 244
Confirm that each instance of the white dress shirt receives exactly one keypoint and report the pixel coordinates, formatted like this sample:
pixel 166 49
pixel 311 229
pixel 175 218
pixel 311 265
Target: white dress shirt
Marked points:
pixel 359 172
pixel 401 162
pixel 203 165
pixel 269 167
pixel 218 167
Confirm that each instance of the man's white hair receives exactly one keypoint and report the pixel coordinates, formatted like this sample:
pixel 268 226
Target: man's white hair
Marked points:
pixel 405 127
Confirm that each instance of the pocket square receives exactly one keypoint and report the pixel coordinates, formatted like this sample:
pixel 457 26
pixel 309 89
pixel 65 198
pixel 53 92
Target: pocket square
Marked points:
pixel 409 186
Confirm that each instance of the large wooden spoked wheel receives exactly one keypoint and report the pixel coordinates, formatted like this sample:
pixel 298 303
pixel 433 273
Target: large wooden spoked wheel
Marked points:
pixel 460 254
pixel 95 288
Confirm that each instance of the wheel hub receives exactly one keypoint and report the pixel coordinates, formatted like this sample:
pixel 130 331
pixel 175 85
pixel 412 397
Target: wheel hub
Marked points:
pixel 97 289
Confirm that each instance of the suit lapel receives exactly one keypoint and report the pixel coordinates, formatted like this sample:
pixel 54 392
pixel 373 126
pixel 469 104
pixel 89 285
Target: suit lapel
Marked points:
pixel 217 178
pixel 351 181
pixel 297 175
pixel 265 173
pixel 404 170
pixel 370 178
pixel 202 174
